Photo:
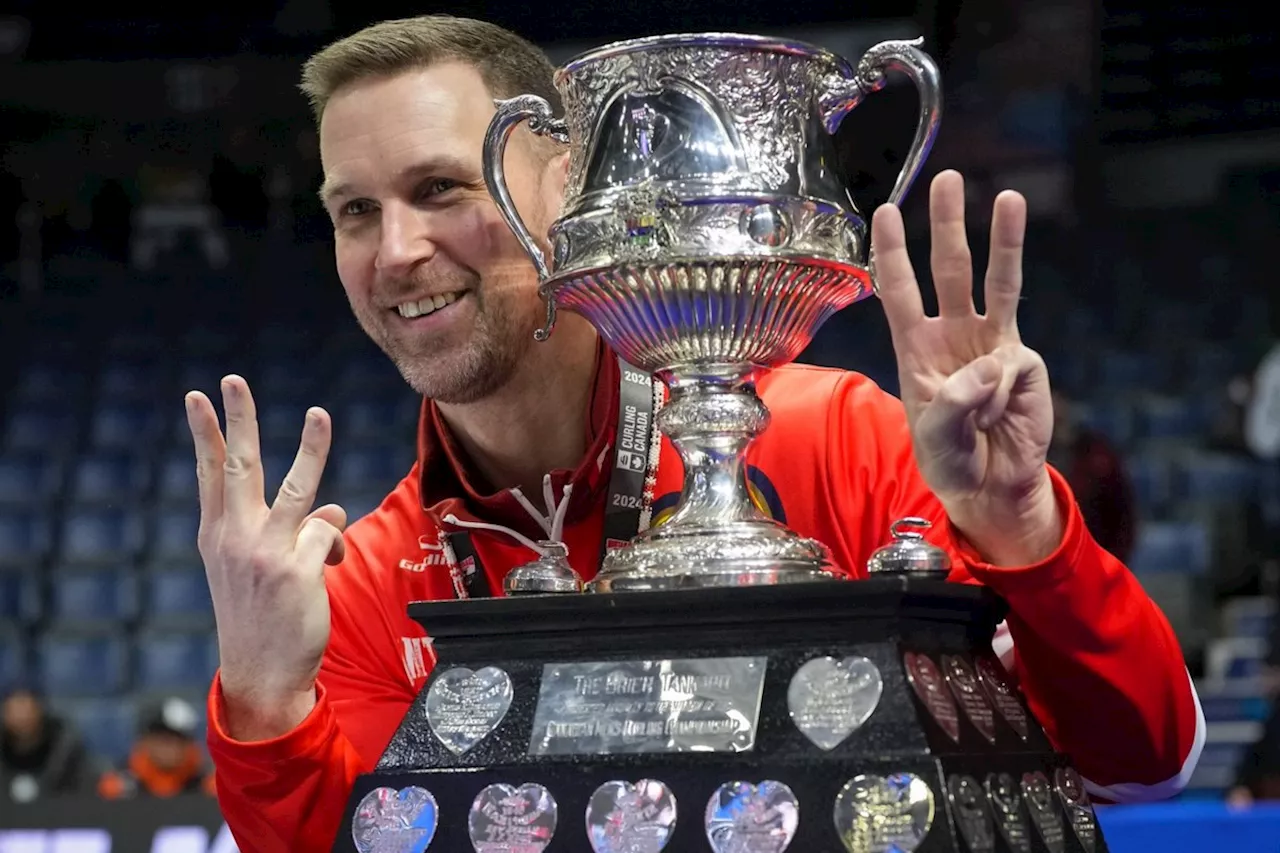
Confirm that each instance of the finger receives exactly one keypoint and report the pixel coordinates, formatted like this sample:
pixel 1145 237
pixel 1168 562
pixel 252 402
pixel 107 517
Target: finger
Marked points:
pixel 211 454
pixel 298 489
pixel 1004 268
pixel 317 542
pixel 1011 369
pixel 950 259
pixel 336 516
pixel 243 466
pixel 947 419
pixel 896 283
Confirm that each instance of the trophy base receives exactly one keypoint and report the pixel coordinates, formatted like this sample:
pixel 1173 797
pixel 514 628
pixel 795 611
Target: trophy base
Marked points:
pixel 867 715
pixel 692 556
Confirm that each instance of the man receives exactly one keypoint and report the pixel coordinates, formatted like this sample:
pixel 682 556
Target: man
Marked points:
pixel 1097 477
pixel 165 760
pixel 40 755
pixel 312 685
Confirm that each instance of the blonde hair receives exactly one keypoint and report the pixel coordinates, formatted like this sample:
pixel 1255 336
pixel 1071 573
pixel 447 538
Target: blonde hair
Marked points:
pixel 508 64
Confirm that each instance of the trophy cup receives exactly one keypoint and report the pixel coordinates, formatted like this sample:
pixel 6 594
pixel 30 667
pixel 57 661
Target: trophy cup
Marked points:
pixel 705 236
pixel 706 695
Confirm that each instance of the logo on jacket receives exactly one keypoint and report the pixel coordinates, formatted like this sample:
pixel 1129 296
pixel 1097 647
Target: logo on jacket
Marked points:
pixel 433 555
pixel 760 487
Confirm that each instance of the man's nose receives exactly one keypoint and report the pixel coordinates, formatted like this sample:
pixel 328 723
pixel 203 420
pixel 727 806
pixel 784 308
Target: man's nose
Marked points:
pixel 405 240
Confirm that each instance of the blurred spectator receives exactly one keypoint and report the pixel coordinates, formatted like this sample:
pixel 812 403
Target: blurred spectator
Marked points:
pixel 1098 478
pixel 175 207
pixel 40 754
pixel 165 761
pixel 1258 777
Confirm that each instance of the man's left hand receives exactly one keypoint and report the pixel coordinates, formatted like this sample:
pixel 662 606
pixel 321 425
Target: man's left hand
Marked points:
pixel 977 400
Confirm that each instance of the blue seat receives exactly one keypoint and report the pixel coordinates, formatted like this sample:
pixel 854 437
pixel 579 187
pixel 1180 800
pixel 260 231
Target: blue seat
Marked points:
pixel 1113 418
pixel 178 597
pixel 86 597
pixel 109 727
pixel 1212 478
pixel 24 537
pixel 388 419
pixel 176 529
pixel 130 380
pixel 40 429
pixel 175 661
pixel 284 379
pixel 102 535
pixel 214 342
pixel 1152 476
pixel 369 377
pixel 177 478
pixel 372 468
pixel 1171 418
pixel 48 382
pixel 359 504
pixel 14 659
pixel 20 598
pixel 28 479
pixel 1171 547
pixel 281 422
pixel 110 477
pixel 124 426
pixel 1121 372
pixel 83 663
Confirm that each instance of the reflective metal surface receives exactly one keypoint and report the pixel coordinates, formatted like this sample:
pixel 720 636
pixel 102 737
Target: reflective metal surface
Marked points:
pixel 631 818
pixel 909 553
pixel 391 821
pixel 705 235
pixel 1075 799
pixel 549 574
pixel 930 687
pixel 1003 695
pixel 964 686
pixel 1006 805
pixel 829 699
pixel 658 706
pixel 746 818
pixel 973 816
pixel 876 814
pixel 464 707
pixel 1038 795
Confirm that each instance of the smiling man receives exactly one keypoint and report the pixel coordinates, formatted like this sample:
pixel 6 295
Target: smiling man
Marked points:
pixel 319 665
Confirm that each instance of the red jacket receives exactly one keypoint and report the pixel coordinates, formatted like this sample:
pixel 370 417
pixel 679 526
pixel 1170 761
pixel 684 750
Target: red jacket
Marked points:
pixel 1098 663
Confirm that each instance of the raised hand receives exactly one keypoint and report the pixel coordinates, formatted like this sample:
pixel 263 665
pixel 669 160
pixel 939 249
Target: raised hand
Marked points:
pixel 265 564
pixel 977 400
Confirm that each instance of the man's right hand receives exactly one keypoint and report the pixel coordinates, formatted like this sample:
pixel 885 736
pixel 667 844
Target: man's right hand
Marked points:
pixel 265 564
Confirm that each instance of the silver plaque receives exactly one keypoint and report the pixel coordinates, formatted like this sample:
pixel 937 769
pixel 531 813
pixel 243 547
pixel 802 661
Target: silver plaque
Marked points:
pixel 1075 799
pixel 464 707
pixel 506 819
pixel 964 686
pixel 877 814
pixel 391 821
pixel 746 818
pixel 631 818
pixel 931 687
pixel 1006 805
pixel 831 698
pixel 648 706
pixel 973 816
pixel 1002 694
pixel 1038 795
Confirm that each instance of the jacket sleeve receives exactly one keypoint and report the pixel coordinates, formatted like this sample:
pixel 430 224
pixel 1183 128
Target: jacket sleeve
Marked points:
pixel 289 794
pixel 1096 659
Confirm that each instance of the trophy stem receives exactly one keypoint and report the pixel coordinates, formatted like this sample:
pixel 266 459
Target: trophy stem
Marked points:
pixel 712 415
pixel 716 536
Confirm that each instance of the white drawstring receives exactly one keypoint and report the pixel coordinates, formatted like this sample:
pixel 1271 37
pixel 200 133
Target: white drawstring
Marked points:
pixel 552 523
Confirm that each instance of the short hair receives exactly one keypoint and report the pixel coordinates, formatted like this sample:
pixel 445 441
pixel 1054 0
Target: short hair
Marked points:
pixel 508 64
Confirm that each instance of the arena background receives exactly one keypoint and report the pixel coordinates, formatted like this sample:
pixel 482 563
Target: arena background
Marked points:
pixel 159 228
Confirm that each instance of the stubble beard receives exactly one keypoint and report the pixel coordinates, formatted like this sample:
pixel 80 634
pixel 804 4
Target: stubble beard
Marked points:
pixel 477 361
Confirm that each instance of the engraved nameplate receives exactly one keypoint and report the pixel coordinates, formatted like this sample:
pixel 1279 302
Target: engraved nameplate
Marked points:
pixel 656 706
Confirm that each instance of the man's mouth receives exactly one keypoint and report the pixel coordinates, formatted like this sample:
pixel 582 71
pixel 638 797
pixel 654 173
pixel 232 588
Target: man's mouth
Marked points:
pixel 423 307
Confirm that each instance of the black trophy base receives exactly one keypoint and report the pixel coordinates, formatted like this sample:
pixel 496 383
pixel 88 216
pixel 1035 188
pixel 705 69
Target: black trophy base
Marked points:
pixel 699 688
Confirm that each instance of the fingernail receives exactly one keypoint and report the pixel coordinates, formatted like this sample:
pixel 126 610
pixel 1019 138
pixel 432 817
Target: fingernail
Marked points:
pixel 190 402
pixel 313 418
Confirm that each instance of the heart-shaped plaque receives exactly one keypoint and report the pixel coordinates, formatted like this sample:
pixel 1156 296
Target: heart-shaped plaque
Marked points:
pixel 1037 793
pixel 1075 799
pixel 464 707
pixel 631 818
pixel 506 819
pixel 830 699
pixel 746 818
pixel 391 821
pixel 876 814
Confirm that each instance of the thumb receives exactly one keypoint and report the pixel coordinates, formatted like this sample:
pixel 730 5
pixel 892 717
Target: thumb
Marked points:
pixel 332 520
pixel 946 417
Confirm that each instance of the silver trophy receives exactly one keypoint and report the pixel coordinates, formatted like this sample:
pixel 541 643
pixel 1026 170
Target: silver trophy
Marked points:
pixel 706 236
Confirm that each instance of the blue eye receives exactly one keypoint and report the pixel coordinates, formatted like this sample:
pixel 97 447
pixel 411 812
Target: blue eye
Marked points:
pixel 357 207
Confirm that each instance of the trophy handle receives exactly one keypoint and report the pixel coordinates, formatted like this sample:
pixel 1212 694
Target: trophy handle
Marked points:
pixel 843 94
pixel 512 112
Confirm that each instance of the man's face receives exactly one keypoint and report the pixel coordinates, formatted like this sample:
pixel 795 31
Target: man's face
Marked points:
pixel 434 275
pixel 22 715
